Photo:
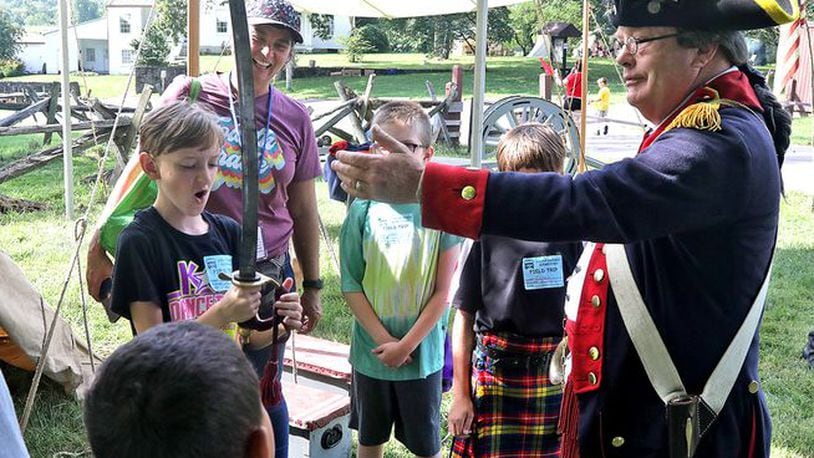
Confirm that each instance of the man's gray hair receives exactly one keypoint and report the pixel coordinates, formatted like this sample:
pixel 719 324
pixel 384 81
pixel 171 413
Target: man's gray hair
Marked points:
pixel 732 43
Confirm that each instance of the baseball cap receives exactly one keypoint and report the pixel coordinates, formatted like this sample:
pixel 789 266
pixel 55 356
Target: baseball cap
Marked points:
pixel 275 12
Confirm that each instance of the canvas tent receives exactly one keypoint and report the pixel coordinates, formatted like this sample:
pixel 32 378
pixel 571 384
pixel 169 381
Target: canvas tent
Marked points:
pixel 416 8
pixel 25 319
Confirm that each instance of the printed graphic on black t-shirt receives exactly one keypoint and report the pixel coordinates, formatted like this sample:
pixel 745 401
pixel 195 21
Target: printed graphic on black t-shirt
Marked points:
pixel 157 263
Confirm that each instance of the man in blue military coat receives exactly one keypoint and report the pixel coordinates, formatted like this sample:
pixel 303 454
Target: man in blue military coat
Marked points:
pixel 696 210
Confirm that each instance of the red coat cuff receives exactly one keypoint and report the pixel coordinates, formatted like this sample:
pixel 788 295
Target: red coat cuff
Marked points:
pixel 452 199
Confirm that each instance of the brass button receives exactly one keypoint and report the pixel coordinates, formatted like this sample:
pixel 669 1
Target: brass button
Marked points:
pixel 754 386
pixel 468 192
pixel 618 441
pixel 593 352
pixel 599 275
pixel 596 301
pixel 592 378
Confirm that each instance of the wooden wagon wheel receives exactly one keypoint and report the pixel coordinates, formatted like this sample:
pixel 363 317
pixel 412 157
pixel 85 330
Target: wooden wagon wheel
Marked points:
pixel 515 110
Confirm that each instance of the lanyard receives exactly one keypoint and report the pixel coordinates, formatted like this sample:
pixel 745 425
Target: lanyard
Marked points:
pixel 234 115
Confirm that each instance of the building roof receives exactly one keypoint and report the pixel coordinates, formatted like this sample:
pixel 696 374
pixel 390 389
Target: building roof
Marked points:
pixel 130 3
pixel 30 38
pixel 561 29
pixel 95 29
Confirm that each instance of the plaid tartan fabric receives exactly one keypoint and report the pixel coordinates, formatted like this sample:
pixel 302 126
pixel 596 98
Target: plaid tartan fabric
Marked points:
pixel 516 408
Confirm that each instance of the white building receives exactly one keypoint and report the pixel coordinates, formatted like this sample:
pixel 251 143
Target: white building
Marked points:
pixel 91 38
pixel 32 50
pixel 104 43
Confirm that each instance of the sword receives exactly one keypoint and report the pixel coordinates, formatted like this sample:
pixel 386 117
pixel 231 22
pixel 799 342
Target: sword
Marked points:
pixel 247 274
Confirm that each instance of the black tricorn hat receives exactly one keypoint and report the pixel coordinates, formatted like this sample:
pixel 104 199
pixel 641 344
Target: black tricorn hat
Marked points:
pixel 704 14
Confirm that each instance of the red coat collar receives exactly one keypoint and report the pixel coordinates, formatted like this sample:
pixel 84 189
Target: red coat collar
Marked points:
pixel 732 85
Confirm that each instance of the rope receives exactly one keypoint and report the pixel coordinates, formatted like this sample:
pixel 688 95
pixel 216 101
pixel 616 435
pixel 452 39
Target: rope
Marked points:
pixel 32 393
pixel 79 231
pixel 606 45
pixel 329 244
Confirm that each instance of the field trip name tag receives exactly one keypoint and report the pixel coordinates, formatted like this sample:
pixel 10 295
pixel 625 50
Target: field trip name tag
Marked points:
pixel 215 265
pixel 543 272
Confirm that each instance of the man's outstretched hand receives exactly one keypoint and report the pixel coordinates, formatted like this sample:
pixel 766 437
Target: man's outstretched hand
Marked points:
pixel 388 177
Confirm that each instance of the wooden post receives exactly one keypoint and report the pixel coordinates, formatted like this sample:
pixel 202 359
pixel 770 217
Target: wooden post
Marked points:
pixel 194 37
pixel 289 75
pixel 51 114
pixel 364 111
pixel 452 118
pixel 442 127
pixel 546 83
pixel 355 122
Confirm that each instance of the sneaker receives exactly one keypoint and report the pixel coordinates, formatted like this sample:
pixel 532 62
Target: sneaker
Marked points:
pixel 606 130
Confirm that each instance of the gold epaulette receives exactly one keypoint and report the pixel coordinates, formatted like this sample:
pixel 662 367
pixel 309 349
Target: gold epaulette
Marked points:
pixel 703 115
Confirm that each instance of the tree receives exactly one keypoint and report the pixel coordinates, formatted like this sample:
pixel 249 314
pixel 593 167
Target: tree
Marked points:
pixel 86 10
pixel 322 25
pixel 525 22
pixel 168 26
pixel 10 34
pixel 356 46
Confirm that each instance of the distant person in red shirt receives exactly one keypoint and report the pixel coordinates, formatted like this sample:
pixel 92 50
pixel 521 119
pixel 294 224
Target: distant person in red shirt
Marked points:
pixel 573 88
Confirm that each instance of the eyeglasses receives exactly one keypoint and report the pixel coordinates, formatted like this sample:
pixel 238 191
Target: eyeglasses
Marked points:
pixel 631 44
pixel 410 146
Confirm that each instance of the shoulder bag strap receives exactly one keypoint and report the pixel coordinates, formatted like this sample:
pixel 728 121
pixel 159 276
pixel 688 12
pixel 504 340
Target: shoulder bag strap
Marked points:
pixel 650 347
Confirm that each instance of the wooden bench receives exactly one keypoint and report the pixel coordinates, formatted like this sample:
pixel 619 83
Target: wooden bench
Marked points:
pixel 321 417
pixel 319 359
pixel 318 415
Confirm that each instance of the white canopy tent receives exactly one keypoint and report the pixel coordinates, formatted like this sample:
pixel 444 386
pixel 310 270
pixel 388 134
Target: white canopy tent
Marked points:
pixel 416 8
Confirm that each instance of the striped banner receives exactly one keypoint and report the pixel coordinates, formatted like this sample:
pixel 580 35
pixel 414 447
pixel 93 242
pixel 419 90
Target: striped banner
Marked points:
pixel 791 41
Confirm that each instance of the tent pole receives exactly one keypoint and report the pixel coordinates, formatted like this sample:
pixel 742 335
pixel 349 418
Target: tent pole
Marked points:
pixel 67 156
pixel 479 86
pixel 193 37
pixel 583 131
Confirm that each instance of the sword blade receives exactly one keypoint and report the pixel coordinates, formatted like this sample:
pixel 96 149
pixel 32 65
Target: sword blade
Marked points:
pixel 248 139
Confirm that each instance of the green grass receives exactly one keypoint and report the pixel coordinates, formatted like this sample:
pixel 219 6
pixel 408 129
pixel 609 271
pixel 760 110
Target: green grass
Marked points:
pixel 801 130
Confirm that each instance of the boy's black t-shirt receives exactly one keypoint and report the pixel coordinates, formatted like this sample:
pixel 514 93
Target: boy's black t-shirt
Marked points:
pixel 517 286
pixel 157 263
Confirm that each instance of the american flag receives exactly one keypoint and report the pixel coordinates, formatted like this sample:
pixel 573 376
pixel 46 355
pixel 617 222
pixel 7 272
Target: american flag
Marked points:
pixel 793 40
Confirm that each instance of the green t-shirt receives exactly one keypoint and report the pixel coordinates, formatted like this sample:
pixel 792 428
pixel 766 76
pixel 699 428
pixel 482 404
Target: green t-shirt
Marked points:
pixel 389 257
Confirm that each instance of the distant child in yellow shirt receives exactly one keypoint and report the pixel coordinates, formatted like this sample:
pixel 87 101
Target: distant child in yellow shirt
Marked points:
pixel 602 102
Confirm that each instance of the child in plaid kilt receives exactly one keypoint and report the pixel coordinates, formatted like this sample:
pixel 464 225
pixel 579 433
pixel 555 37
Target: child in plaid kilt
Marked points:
pixel 508 323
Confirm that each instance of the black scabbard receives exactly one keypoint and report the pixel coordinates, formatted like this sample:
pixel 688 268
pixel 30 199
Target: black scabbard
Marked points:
pixel 683 429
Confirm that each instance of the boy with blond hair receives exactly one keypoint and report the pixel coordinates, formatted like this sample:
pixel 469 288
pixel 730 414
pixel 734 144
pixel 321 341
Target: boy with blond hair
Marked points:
pixel 508 323
pixel 395 277
pixel 169 258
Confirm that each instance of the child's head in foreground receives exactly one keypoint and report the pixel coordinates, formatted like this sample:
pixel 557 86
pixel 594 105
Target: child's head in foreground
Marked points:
pixel 408 123
pixel 531 148
pixel 179 145
pixel 178 390
pixel 602 82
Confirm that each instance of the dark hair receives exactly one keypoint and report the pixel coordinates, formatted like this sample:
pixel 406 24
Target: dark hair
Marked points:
pixel 531 146
pixel 179 125
pixel 178 390
pixel 733 45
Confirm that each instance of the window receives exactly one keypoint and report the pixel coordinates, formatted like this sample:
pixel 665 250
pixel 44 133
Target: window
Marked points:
pixel 330 26
pixel 220 26
pixel 90 55
pixel 127 56
pixel 124 24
